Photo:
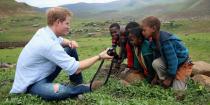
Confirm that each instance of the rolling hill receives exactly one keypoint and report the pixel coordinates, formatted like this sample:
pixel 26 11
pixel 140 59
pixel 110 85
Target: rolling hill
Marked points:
pixel 10 7
pixel 142 8
pixel 121 9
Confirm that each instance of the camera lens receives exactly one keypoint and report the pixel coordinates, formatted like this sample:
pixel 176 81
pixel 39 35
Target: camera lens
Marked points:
pixel 111 52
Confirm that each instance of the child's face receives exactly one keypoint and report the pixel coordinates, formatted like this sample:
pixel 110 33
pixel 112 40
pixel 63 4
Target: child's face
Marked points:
pixel 147 31
pixel 114 31
pixel 134 40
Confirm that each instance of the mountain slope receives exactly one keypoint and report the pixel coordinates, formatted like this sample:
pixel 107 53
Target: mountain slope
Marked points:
pixel 119 7
pixel 141 8
pixel 10 7
pixel 192 8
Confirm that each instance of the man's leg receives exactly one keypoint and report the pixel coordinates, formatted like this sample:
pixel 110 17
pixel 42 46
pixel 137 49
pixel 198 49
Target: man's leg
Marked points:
pixel 75 78
pixel 54 91
pixel 52 76
pixel 160 68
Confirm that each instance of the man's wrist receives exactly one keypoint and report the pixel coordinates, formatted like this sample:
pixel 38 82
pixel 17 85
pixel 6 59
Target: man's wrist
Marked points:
pixel 99 56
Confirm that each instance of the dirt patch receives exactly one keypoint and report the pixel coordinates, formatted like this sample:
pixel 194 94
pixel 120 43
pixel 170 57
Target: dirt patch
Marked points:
pixel 6 45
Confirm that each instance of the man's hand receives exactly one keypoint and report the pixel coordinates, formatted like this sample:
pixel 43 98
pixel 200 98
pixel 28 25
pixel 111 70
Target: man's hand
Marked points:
pixel 167 82
pixel 73 44
pixel 104 55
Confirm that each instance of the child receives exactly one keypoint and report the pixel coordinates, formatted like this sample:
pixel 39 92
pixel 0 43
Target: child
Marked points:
pixel 172 63
pixel 118 39
pixel 142 52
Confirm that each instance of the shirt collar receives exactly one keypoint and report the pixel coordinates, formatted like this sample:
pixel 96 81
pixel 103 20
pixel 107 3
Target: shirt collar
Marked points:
pixel 51 33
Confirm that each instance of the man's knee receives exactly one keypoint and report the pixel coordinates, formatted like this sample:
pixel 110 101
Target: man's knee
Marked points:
pixel 58 92
pixel 62 91
pixel 70 50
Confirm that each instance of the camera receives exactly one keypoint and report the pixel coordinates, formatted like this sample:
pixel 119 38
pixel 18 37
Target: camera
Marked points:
pixel 112 52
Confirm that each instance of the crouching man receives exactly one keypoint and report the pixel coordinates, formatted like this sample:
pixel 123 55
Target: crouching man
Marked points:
pixel 46 54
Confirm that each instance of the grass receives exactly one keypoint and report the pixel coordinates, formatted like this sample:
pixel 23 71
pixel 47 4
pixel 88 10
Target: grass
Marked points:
pixel 188 26
pixel 21 28
pixel 140 93
pixel 15 25
pixel 198 46
pixel 114 92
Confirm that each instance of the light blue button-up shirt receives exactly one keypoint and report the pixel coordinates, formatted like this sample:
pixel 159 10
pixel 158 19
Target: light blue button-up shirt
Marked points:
pixel 39 59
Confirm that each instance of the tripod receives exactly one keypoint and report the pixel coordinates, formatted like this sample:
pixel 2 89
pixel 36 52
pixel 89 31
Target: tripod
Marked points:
pixel 107 75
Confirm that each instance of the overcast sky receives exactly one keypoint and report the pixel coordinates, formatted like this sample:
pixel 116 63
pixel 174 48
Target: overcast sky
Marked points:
pixel 53 3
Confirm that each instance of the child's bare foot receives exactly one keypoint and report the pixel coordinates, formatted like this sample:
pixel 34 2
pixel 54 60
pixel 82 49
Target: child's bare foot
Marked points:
pixel 155 80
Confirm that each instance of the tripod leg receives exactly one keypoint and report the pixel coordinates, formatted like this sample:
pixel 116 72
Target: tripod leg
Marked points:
pixel 91 82
pixel 109 73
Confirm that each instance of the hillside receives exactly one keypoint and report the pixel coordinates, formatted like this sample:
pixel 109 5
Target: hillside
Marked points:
pixel 191 9
pixel 10 7
pixel 141 8
pixel 121 9
pixel 27 20
pixel 116 9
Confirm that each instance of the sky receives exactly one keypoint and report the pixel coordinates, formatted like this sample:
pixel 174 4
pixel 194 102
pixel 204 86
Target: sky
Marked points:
pixel 54 3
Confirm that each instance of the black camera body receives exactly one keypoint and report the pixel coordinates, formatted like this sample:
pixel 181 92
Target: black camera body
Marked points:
pixel 112 52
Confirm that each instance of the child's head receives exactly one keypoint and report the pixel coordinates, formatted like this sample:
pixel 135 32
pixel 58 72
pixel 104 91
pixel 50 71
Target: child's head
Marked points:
pixel 131 25
pixel 135 36
pixel 114 29
pixel 150 25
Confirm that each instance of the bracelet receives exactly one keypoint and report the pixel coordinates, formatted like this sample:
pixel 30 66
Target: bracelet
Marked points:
pixel 99 56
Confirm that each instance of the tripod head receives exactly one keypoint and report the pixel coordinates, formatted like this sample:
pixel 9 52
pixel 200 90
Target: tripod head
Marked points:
pixel 112 52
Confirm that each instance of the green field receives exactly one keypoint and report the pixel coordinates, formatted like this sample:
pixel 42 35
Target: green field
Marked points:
pixel 113 92
pixel 194 33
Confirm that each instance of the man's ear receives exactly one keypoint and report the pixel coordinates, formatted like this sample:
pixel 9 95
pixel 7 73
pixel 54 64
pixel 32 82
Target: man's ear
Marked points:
pixel 57 22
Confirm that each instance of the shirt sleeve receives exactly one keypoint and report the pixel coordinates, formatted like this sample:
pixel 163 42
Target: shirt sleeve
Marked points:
pixel 60 39
pixel 57 55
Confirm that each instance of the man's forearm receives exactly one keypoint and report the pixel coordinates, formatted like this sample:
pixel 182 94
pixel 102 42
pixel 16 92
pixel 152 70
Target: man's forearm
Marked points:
pixel 84 64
